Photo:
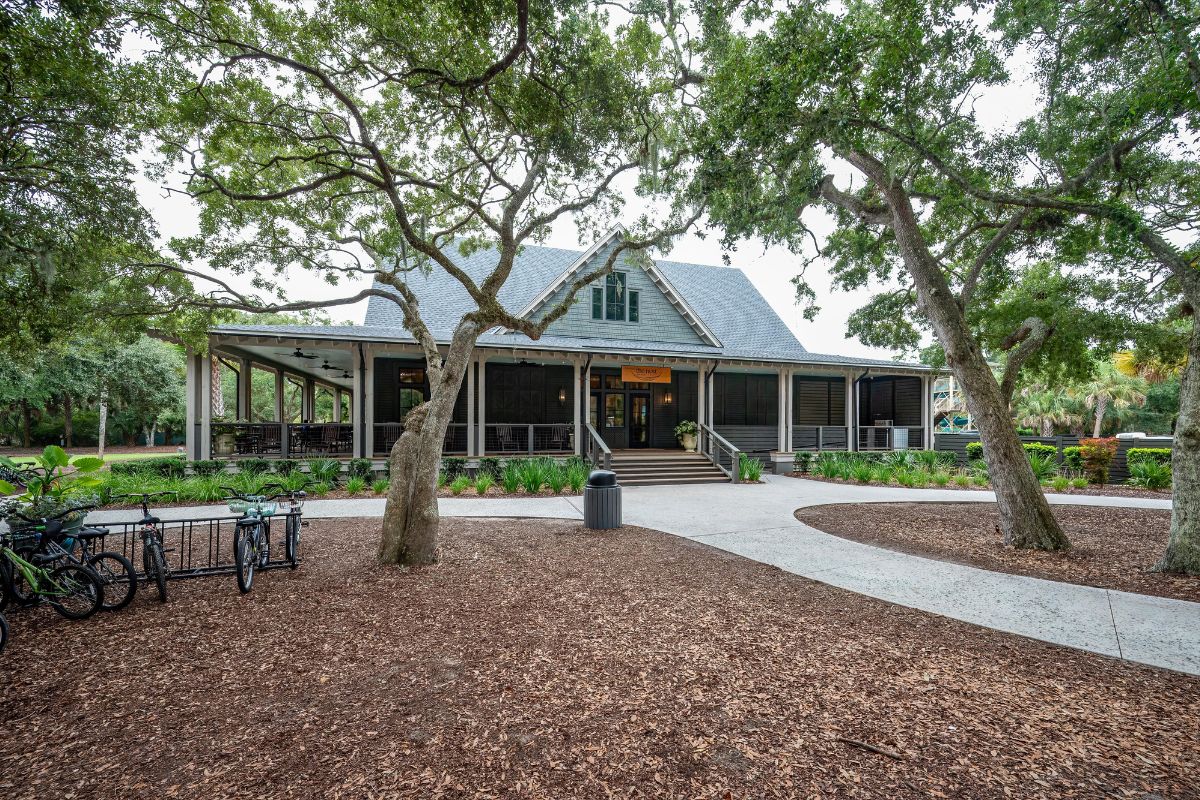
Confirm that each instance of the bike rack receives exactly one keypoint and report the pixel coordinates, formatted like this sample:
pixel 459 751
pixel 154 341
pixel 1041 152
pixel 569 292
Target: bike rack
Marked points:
pixel 195 547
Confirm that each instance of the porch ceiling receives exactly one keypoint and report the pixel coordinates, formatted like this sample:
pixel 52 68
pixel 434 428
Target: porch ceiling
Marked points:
pixel 282 357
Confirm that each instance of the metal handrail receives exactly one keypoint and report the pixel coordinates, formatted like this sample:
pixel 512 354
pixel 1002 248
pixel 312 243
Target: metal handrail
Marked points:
pixel 718 442
pixel 597 451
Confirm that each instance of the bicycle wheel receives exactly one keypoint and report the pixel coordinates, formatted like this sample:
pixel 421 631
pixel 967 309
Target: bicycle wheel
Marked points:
pixel 118 577
pixel 17 590
pixel 247 559
pixel 5 578
pixel 291 541
pixel 3 633
pixel 74 591
pixel 154 562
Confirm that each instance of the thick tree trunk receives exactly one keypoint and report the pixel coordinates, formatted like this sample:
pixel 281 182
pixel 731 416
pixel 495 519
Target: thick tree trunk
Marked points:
pixel 68 431
pixel 102 430
pixel 151 434
pixel 1101 408
pixel 1047 428
pixel 26 424
pixel 410 519
pixel 1025 517
pixel 1183 545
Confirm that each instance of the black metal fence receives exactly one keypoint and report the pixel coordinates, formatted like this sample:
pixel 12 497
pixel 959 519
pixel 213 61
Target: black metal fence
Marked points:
pixel 196 547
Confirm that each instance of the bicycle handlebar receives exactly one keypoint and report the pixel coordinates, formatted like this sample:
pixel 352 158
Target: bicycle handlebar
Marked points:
pixel 143 495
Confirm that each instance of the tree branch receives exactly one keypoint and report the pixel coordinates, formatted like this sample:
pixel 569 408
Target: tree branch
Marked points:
pixel 1027 340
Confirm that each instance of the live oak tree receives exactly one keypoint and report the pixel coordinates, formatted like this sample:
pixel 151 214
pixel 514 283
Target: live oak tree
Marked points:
pixel 364 139
pixel 820 82
pixel 76 245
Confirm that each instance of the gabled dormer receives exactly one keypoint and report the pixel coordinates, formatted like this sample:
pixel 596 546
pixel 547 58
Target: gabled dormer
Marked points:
pixel 633 302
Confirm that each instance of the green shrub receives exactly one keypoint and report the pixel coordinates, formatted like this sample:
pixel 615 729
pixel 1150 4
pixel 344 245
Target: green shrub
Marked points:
pixel 934 460
pixel 880 473
pixel 801 461
pixel 556 477
pixel 1043 468
pixel 362 468
pixel 380 486
pixel 443 478
pixel 863 472
pixel 459 484
pixel 203 489
pixel 285 466
pixel 829 465
pixel 962 479
pixel 325 470
pixel 974 451
pixel 165 467
pixel 1098 455
pixel 749 468
pixel 256 466
pixel 532 475
pixel 1079 483
pixel 356 484
pixel 900 459
pixel 577 475
pixel 1060 483
pixel 905 476
pixel 294 481
pixel 319 488
pixel 483 482
pixel 980 479
pixel 204 468
pixel 1072 459
pixel 1039 449
pixel 940 478
pixel 454 466
pixel 1142 455
pixel 490 466
pixel 510 477
pixel 1150 475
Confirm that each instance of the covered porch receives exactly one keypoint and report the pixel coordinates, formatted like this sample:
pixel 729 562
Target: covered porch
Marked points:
pixel 275 396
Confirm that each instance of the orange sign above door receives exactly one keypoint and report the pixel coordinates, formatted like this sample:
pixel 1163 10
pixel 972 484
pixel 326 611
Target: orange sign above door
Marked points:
pixel 646 374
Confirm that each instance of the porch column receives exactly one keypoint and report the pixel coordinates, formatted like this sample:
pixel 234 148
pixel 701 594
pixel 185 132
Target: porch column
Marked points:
pixel 701 394
pixel 337 404
pixel 245 390
pixel 307 404
pixel 191 441
pixel 482 406
pixel 367 403
pixel 204 452
pixel 852 389
pixel 790 376
pixel 927 417
pixel 578 401
pixel 279 378
pixel 472 449
pixel 781 422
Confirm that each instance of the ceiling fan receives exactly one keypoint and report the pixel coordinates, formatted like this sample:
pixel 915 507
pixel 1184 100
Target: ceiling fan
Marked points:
pixel 297 353
pixel 326 365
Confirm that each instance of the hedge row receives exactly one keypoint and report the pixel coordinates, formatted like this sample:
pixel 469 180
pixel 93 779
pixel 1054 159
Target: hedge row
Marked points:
pixel 975 450
pixel 1143 455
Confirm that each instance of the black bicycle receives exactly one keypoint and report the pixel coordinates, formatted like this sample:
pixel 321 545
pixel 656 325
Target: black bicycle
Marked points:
pixel 35 567
pixel 154 554
pixel 3 632
pixel 116 573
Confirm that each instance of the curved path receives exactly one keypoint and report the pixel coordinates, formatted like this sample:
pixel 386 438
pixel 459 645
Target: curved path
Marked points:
pixel 757 522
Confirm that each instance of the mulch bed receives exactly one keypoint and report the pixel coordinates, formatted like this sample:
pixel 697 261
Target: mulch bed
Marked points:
pixel 1113 548
pixel 1109 490
pixel 539 660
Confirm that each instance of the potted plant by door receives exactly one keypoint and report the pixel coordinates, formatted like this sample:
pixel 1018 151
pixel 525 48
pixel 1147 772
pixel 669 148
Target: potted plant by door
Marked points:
pixel 53 484
pixel 685 432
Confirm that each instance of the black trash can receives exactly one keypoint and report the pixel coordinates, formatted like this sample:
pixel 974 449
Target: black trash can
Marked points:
pixel 602 501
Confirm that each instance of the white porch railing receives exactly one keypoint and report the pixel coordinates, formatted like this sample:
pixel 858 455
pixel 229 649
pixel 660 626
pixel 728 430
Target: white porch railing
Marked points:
pixel 820 437
pixel 718 450
pixel 595 450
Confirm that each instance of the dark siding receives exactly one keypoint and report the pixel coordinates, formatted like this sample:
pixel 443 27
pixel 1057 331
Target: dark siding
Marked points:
pixel 753 439
pixel 745 399
pixel 894 398
pixel 386 384
pixel 664 417
pixel 1118 473
pixel 528 394
pixel 819 401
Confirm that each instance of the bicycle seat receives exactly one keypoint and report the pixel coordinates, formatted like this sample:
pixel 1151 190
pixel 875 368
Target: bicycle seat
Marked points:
pixel 149 519
pixel 91 533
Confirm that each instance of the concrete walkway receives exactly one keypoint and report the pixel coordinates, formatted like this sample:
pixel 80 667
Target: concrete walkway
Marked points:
pixel 757 522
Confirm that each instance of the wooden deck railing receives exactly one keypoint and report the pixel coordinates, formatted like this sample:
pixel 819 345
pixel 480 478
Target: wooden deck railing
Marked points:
pixel 719 451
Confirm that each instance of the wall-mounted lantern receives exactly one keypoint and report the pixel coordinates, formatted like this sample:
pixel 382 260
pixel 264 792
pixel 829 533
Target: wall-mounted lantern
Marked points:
pixel 562 397
pixel 667 398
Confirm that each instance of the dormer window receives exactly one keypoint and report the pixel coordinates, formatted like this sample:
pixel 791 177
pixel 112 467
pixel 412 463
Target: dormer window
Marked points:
pixel 613 302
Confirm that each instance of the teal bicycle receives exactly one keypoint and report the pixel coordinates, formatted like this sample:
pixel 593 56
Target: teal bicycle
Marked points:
pixel 41 571
pixel 252 532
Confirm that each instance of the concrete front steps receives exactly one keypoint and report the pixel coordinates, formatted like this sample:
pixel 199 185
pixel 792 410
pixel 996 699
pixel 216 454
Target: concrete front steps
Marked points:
pixel 657 467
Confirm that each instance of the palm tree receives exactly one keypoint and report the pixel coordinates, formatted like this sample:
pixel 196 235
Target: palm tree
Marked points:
pixel 1152 369
pixel 1110 389
pixel 1045 409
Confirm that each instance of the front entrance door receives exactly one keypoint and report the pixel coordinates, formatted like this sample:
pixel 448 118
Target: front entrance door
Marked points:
pixel 639 419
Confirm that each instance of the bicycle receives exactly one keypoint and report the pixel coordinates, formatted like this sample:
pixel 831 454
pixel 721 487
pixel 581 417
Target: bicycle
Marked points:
pixel 154 554
pixel 71 589
pixel 252 532
pixel 3 633
pixel 115 571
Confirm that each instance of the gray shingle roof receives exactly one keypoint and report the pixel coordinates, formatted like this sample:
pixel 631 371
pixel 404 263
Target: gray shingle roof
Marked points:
pixel 723 297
